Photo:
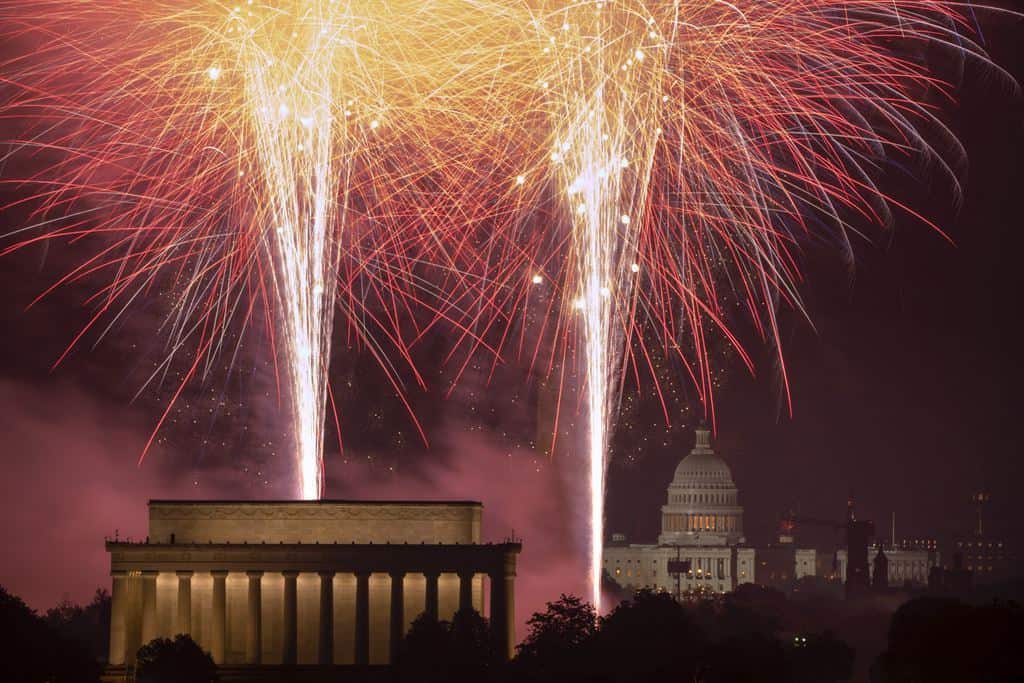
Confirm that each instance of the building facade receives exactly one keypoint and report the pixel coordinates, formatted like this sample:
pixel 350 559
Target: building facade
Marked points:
pixel 984 553
pixel 907 565
pixel 318 584
pixel 701 523
pixel 779 565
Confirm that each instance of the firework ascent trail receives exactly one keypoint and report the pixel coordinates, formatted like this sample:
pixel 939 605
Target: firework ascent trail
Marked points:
pixel 290 95
pixel 302 156
pixel 601 160
pixel 695 145
pixel 657 164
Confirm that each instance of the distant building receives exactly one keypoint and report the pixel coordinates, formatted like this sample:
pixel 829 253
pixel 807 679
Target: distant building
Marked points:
pixel 857 567
pixel 779 565
pixel 701 523
pixel 320 584
pixel 954 581
pixel 985 554
pixel 906 566
pixel 988 558
pixel 880 571
pixel 929 544
pixel 855 572
pixel 826 566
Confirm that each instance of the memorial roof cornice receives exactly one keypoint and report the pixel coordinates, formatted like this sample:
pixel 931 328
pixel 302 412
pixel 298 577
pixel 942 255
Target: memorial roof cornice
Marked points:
pixel 311 557
pixel 331 501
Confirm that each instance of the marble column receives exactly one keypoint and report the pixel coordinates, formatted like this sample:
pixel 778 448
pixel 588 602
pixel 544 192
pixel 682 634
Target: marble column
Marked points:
pixel 118 620
pixel 465 590
pixel 325 648
pixel 362 654
pixel 290 619
pixel 149 626
pixel 184 615
pixel 397 614
pixel 220 621
pixel 503 606
pixel 430 606
pixel 497 615
pixel 254 625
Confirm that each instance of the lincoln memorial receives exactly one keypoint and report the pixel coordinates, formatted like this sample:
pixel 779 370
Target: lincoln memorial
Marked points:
pixel 303 586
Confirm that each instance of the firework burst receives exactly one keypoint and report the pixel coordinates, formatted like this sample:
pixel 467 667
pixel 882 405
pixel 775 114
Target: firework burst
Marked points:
pixel 289 156
pixel 694 146
pixel 652 160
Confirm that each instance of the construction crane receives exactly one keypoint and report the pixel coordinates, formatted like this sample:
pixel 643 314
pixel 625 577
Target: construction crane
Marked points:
pixel 859 533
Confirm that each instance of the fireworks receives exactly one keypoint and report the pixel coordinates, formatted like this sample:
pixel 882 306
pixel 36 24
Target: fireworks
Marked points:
pixel 601 98
pixel 256 155
pixel 697 144
pixel 297 155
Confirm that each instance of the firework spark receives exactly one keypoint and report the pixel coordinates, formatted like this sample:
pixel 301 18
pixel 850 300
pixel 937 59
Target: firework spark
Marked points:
pixel 290 154
pixel 284 155
pixel 696 145
pixel 601 100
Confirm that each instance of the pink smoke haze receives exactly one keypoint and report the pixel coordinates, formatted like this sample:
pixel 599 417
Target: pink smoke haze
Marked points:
pixel 71 480
pixel 540 502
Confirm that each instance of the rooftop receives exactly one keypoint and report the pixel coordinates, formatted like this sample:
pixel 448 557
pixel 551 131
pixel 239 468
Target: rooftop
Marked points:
pixel 325 501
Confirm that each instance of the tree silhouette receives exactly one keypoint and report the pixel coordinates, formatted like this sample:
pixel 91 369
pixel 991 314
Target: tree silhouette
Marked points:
pixel 742 613
pixel 941 640
pixel 820 659
pixel 650 638
pixel 568 622
pixel 749 658
pixel 460 650
pixel 32 652
pixel 88 625
pixel 473 647
pixel 556 646
pixel 426 643
pixel 174 661
pixel 653 638
pixel 20 638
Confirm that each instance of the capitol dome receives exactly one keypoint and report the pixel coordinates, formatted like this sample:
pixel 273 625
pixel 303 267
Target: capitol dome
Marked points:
pixel 702 506
pixel 702 468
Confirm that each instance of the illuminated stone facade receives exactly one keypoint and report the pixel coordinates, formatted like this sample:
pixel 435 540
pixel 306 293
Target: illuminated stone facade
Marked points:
pixel 702 506
pixel 701 522
pixel 272 586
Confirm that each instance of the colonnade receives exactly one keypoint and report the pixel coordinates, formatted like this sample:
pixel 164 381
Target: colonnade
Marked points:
pixel 134 618
pixel 700 522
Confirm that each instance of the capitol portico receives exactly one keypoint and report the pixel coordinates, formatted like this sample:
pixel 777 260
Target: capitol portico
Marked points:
pixel 320 583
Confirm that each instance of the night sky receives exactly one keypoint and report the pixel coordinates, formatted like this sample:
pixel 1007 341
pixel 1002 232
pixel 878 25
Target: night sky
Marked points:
pixel 905 396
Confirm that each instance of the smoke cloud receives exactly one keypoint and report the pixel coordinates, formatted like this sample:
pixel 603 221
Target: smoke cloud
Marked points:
pixel 72 480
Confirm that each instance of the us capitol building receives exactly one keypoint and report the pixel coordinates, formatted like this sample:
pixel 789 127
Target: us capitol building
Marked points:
pixel 701 523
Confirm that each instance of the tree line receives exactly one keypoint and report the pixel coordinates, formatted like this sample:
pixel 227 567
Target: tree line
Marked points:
pixel 750 635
